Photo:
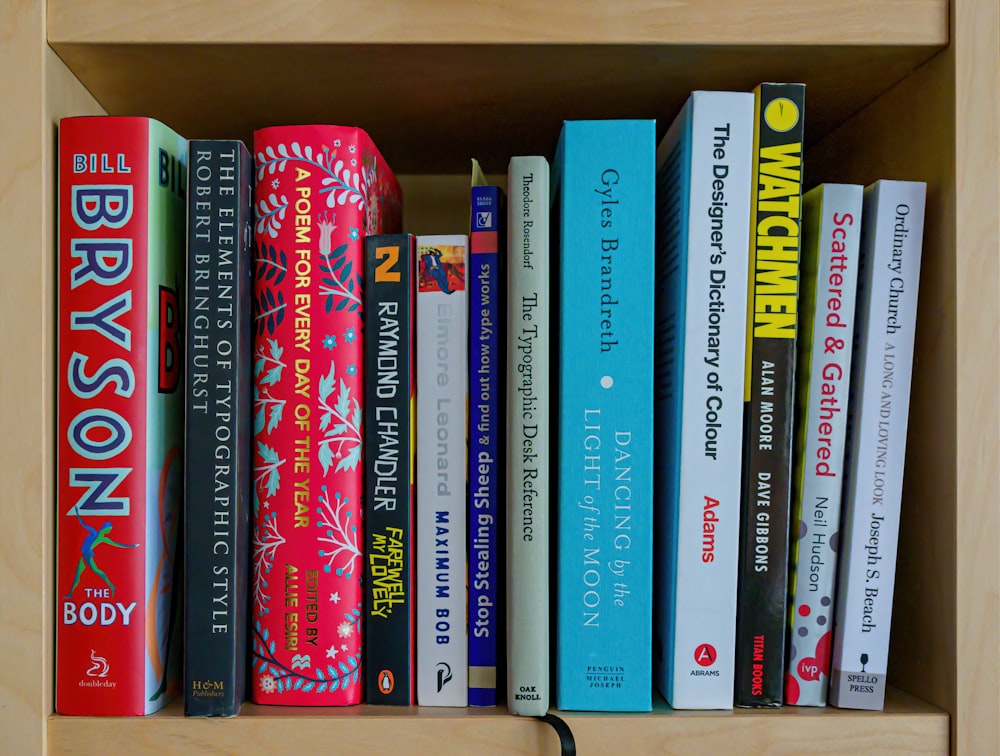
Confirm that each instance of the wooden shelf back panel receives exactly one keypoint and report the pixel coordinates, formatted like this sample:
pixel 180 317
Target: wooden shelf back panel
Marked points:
pixel 432 107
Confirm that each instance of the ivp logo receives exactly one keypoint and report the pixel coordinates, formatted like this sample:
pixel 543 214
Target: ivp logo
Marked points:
pixel 444 675
pixel 99 665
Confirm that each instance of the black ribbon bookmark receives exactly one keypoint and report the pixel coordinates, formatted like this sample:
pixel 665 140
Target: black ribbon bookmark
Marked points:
pixel 567 743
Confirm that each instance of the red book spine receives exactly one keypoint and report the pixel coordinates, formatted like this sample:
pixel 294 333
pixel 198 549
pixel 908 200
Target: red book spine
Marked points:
pixel 319 191
pixel 119 413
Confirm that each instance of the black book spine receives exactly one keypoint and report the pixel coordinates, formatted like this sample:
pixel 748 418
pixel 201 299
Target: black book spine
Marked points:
pixel 769 394
pixel 218 414
pixel 390 394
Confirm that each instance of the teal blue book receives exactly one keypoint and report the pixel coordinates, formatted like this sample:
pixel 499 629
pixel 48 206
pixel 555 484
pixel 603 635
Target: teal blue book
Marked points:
pixel 604 196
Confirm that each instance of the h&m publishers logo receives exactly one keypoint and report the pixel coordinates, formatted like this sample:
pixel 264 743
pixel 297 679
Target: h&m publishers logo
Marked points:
pixel 443 675
pixel 208 688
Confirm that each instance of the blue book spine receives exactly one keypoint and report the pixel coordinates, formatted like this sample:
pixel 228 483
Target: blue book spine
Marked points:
pixel 605 196
pixel 485 428
pixel 673 209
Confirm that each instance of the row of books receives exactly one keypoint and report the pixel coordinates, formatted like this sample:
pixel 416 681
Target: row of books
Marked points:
pixel 370 417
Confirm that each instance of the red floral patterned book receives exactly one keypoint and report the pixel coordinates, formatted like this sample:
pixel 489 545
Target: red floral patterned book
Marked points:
pixel 319 191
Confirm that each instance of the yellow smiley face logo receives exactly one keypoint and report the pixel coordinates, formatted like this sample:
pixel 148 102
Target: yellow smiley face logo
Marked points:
pixel 781 114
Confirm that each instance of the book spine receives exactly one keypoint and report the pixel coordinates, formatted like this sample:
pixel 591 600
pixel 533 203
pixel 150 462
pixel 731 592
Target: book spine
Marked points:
pixel 120 413
pixel 218 412
pixel 529 426
pixel 442 375
pixel 769 393
pixel 703 217
pixel 485 462
pixel 390 388
pixel 605 174
pixel 831 228
pixel 892 233
pixel 318 191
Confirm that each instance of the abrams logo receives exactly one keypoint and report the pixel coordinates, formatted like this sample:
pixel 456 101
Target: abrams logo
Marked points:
pixel 705 656
pixel 443 675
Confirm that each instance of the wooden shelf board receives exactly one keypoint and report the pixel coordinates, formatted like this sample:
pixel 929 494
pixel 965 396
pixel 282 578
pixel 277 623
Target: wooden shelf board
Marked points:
pixel 432 107
pixel 851 22
pixel 907 725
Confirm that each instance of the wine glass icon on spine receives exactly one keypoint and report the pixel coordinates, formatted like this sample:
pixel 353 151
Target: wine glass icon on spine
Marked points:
pixel 864 661
pixel 94 539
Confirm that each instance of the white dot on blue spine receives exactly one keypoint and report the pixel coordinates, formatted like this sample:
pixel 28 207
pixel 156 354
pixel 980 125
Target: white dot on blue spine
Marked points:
pixel 607 382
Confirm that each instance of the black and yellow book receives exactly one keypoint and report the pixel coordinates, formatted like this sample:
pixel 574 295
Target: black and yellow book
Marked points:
pixel 772 304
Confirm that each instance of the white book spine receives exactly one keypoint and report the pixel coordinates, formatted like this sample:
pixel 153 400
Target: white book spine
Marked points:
pixel 892 232
pixel 528 425
pixel 712 410
pixel 442 387
pixel 711 345
pixel 829 276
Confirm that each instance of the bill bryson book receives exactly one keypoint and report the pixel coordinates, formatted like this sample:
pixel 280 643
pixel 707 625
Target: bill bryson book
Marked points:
pixel 443 381
pixel 702 237
pixel 486 473
pixel 390 394
pixel 831 237
pixel 892 240
pixel 528 436
pixel 775 218
pixel 605 185
pixel 318 191
pixel 218 413
pixel 120 414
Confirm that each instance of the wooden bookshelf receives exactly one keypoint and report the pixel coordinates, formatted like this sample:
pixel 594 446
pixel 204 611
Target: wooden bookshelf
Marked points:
pixel 907 725
pixel 907 88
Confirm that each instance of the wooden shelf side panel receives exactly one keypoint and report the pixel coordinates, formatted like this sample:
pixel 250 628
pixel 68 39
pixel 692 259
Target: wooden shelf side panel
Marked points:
pixel 976 726
pixel 41 89
pixel 24 536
